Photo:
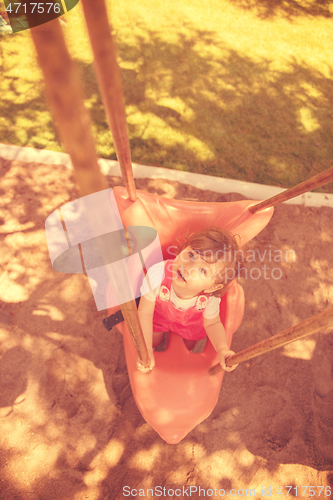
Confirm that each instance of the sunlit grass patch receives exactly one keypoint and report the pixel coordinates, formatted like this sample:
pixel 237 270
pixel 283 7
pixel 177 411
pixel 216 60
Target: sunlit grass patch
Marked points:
pixel 308 121
pixel 217 88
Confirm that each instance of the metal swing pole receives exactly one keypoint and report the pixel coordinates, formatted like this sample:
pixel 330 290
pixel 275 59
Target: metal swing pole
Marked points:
pixel 109 79
pixel 65 95
pixel 321 322
pixel 312 183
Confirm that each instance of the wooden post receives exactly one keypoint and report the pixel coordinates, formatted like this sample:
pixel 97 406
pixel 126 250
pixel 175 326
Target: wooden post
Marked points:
pixel 316 181
pixel 320 322
pixel 109 78
pixel 65 95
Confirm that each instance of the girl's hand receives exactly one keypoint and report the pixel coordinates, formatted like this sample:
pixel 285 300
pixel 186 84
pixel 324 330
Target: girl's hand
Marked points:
pixel 223 354
pixel 151 365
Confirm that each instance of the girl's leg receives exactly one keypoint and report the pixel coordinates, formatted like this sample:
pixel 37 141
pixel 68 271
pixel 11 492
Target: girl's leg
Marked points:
pixel 157 338
pixel 195 346
pixel 189 344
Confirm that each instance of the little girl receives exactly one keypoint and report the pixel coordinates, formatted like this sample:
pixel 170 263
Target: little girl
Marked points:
pixel 187 301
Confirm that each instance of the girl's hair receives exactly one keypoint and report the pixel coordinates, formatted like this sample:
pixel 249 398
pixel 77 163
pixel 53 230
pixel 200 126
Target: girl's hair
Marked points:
pixel 217 245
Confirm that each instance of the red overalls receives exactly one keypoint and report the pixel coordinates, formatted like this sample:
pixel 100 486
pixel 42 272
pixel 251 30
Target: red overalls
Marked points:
pixel 189 323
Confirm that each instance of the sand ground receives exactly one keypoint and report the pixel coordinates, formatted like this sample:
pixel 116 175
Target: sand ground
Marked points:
pixel 70 428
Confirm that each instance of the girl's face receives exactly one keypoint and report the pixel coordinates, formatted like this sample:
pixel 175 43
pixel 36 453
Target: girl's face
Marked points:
pixel 192 275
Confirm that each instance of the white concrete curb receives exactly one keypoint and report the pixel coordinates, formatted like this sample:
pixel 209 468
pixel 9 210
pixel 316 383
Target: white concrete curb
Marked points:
pixel 217 184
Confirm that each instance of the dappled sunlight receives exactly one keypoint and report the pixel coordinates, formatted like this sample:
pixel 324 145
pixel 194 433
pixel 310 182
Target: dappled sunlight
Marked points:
pixel 307 120
pixel 49 310
pixel 13 292
pixel 178 476
pixel 310 91
pixel 42 458
pixel 109 457
pixel 228 105
pixel 44 419
pixel 325 236
pixel 67 291
pixel 290 9
pixel 322 267
pixel 64 418
pixel 282 300
pixel 289 254
pixel 214 461
pixel 23 270
pixel 155 128
pixel 323 293
pixel 46 392
pixel 102 463
pixel 25 204
pixel 21 88
pixel 18 241
pixel 112 453
pixel 245 458
pixel 302 349
pixel 4 334
pixel 145 459
pixel 177 105
pixel 23 432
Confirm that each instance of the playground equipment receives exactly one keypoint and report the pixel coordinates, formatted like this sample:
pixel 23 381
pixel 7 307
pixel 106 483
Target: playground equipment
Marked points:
pixel 179 393
pixel 179 386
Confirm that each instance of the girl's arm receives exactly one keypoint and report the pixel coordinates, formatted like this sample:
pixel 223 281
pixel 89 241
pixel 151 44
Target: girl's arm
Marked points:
pixel 216 334
pixel 146 313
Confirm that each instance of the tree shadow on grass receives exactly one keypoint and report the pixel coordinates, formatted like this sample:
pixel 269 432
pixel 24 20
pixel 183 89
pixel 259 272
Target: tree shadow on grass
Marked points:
pixel 196 105
pixel 290 9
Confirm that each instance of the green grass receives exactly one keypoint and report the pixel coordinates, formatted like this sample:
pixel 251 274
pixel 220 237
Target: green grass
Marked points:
pixel 240 89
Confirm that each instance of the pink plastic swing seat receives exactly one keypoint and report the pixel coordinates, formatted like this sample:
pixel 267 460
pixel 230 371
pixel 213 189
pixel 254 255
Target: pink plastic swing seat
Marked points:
pixel 178 394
